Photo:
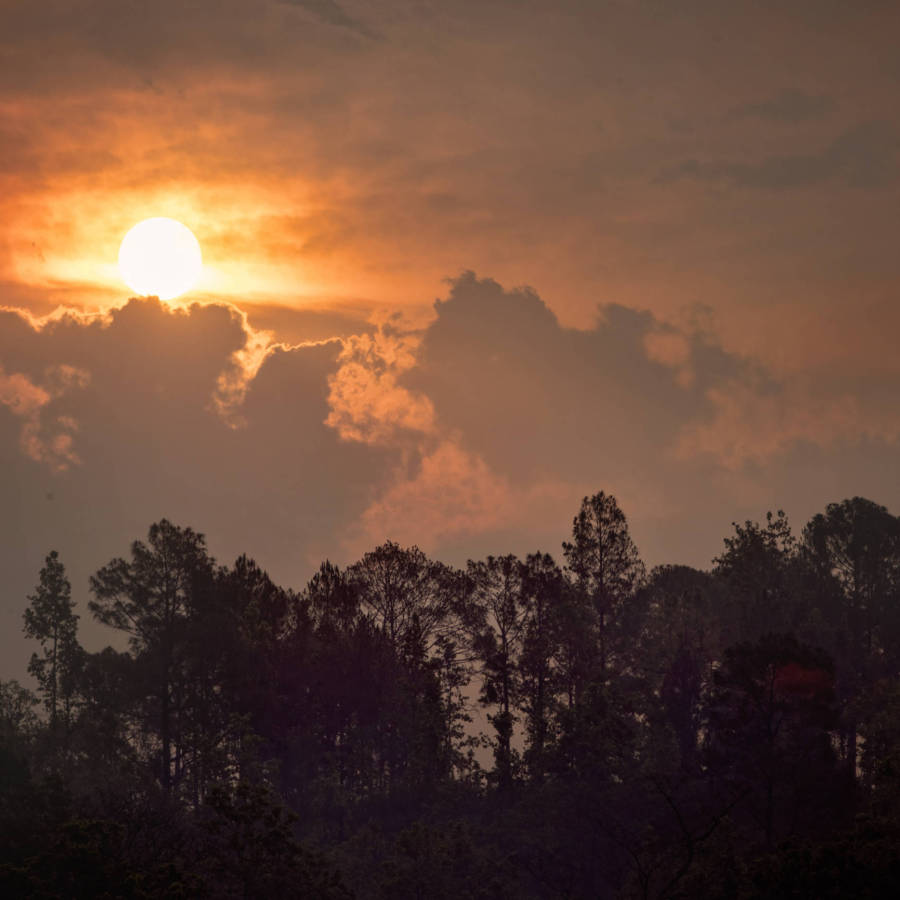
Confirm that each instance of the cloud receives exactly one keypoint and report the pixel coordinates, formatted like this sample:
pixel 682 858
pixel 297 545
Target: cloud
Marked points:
pixel 491 418
pixel 863 157
pixel 367 402
pixel 755 423
pixel 476 432
pixel 507 417
pixel 534 398
pixel 21 396
pixel 152 438
pixel 333 14
pixel 791 106
pixel 44 437
pixel 453 494
pixel 242 367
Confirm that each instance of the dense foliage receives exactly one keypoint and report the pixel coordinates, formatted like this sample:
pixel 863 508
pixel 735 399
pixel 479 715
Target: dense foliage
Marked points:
pixel 515 729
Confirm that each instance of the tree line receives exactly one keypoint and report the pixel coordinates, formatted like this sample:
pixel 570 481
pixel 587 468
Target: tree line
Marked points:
pixel 517 728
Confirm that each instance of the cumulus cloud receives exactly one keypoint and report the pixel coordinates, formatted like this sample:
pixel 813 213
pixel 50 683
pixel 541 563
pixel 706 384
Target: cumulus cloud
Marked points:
pixel 367 402
pixel 508 417
pixel 477 432
pixel 452 494
pixel 537 399
pixel 152 440
pixel 244 363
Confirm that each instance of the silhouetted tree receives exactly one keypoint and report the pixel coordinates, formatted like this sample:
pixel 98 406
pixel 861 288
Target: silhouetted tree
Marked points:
pixel 678 645
pixel 249 849
pixel 151 598
pixel 768 725
pixel 499 592
pixel 333 598
pixel 853 549
pixel 405 593
pixel 51 620
pixel 763 578
pixel 544 593
pixel 416 603
pixel 660 758
pixel 605 566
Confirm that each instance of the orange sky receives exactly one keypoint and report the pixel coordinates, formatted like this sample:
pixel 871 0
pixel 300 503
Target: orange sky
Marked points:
pixel 664 158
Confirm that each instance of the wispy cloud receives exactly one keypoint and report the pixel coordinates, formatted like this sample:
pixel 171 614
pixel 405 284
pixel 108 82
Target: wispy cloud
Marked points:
pixel 790 106
pixel 333 14
pixel 44 437
pixel 862 157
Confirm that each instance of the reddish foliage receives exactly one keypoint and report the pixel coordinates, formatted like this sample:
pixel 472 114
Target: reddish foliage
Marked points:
pixel 795 680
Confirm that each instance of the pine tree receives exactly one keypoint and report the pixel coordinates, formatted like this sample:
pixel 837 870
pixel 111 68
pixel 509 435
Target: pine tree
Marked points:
pixel 51 620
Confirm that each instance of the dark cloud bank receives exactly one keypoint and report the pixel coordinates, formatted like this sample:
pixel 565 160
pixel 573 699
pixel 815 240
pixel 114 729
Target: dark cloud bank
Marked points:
pixel 478 435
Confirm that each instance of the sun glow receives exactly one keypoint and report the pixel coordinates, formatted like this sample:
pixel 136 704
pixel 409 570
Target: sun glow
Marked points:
pixel 160 257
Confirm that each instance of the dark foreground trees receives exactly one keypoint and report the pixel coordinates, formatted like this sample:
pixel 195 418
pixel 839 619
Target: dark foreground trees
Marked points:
pixel 400 728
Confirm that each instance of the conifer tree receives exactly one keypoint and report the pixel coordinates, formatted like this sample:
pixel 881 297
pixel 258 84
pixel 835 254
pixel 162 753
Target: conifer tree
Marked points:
pixel 51 620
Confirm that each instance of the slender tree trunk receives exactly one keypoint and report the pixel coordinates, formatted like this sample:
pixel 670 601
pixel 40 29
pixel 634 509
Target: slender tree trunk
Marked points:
pixel 540 730
pixel 53 682
pixel 165 735
pixel 851 752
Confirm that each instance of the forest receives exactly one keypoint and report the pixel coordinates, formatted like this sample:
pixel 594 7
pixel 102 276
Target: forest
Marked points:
pixel 571 727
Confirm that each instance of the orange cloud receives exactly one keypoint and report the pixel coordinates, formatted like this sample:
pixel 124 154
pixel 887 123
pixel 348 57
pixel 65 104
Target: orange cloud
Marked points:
pixel 455 493
pixel 754 424
pixel 368 404
pixel 245 362
pixel 44 441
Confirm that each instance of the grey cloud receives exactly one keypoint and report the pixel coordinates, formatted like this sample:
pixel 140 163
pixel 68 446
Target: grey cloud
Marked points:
pixel 531 395
pixel 333 14
pixel 297 325
pixel 520 417
pixel 688 435
pixel 69 46
pixel 863 157
pixel 789 106
pixel 150 444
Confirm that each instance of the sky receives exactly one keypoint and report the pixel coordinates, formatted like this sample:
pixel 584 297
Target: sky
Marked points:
pixel 465 263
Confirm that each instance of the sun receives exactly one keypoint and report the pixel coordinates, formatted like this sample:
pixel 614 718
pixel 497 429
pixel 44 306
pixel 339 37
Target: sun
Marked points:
pixel 160 257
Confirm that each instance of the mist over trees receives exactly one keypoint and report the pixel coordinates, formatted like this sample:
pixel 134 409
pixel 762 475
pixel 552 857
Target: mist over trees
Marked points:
pixel 532 728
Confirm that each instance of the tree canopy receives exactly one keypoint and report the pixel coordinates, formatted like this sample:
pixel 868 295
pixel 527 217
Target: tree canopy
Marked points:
pixel 517 728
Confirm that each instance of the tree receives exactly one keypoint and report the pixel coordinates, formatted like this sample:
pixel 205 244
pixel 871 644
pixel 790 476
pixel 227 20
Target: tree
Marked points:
pixel 332 597
pixel 605 566
pixel 498 592
pixel 249 849
pixel 406 595
pixel 856 546
pixel 853 551
pixel 768 724
pixel 152 598
pixel 543 599
pixel 51 620
pixel 679 642
pixel 419 606
pixel 18 721
pixel 761 571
